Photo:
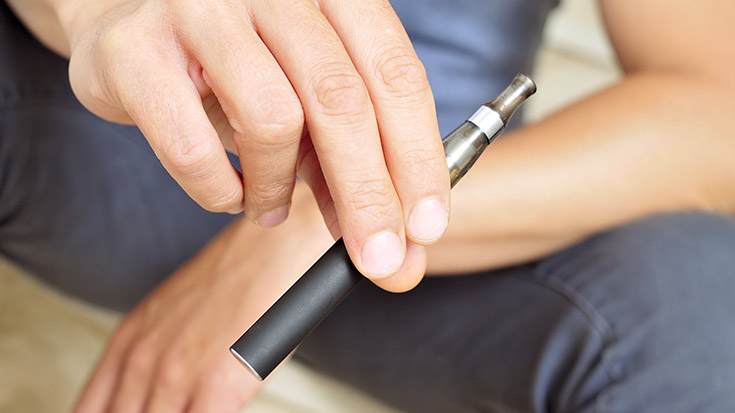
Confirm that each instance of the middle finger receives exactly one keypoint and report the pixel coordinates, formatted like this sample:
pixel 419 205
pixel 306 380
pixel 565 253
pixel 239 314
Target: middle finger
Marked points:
pixel 343 129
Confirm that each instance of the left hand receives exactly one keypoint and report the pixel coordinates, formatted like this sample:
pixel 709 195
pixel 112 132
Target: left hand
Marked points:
pixel 171 353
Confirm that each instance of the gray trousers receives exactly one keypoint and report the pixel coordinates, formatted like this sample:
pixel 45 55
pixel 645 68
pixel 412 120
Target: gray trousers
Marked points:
pixel 637 319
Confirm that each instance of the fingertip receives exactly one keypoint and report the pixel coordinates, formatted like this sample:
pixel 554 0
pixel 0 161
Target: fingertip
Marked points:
pixel 273 217
pixel 410 274
pixel 427 221
pixel 382 255
pixel 235 210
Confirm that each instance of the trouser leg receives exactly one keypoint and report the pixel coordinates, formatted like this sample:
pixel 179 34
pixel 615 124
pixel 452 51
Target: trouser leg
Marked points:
pixel 84 204
pixel 638 319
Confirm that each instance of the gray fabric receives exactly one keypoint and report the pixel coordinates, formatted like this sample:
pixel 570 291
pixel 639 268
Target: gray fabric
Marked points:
pixel 472 49
pixel 84 204
pixel 638 319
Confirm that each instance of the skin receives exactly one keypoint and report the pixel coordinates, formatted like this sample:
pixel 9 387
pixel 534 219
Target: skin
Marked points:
pixel 179 362
pixel 170 353
pixel 659 140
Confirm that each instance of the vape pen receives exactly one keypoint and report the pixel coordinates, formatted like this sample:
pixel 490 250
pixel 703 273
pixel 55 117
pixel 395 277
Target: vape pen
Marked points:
pixel 331 279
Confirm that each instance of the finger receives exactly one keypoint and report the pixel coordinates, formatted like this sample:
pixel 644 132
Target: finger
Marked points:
pixel 405 111
pixel 343 130
pixel 179 365
pixel 167 108
pixel 309 170
pixel 410 274
pixel 227 387
pixel 136 375
pixel 260 104
pixel 99 388
pixel 220 122
pixel 414 266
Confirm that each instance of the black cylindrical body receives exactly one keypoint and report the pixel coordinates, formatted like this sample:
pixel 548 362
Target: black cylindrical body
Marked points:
pixel 274 336
pixel 331 279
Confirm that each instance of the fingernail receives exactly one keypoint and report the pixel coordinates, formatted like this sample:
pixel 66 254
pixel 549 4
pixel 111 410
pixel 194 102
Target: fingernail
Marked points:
pixel 235 211
pixel 382 255
pixel 428 220
pixel 273 218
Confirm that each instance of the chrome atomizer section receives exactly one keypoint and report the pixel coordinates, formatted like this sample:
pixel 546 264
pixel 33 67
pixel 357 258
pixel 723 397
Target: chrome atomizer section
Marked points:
pixel 465 144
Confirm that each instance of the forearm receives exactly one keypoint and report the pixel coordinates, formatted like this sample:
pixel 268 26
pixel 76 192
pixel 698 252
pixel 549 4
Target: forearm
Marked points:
pixel 657 141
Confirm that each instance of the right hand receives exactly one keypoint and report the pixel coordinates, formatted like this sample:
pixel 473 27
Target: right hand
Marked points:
pixel 201 76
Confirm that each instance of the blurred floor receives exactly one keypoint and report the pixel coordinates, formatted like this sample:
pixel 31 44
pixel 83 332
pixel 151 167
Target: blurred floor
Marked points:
pixel 49 342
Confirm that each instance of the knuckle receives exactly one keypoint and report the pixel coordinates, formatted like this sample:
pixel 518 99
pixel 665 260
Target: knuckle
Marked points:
pixel 190 155
pixel 222 202
pixel 171 372
pixel 276 121
pixel 114 39
pixel 341 94
pixel 141 357
pixel 424 169
pixel 92 91
pixel 230 396
pixel 401 72
pixel 97 95
pixel 422 160
pixel 112 57
pixel 197 160
pixel 117 46
pixel 125 329
pixel 270 193
pixel 214 379
pixel 371 198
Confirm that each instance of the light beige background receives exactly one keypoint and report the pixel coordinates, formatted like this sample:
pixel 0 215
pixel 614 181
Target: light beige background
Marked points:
pixel 49 343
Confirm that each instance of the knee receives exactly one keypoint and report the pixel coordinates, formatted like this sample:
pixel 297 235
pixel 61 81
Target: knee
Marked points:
pixel 664 287
pixel 673 259
pixel 674 273
pixel 674 254
pixel 680 242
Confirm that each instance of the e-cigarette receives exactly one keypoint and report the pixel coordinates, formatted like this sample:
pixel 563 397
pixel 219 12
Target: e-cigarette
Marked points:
pixel 331 279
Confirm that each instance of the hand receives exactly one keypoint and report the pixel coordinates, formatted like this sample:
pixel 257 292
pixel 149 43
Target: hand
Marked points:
pixel 197 77
pixel 170 353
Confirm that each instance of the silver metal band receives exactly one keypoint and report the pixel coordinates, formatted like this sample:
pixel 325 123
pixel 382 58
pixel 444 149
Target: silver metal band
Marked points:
pixel 487 120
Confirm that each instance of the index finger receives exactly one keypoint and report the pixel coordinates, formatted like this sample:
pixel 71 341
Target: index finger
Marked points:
pixel 343 129
pixel 167 107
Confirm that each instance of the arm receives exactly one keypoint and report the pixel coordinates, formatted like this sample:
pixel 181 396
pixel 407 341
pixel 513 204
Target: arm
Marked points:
pixel 661 139
pixel 170 353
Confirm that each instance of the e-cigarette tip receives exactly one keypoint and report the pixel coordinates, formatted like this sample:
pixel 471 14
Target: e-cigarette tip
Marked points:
pixel 513 96
pixel 525 84
pixel 246 364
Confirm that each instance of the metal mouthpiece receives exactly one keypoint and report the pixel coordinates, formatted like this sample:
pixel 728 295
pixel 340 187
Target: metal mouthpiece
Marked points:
pixel 512 97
